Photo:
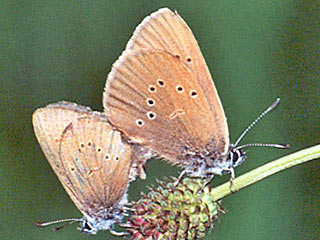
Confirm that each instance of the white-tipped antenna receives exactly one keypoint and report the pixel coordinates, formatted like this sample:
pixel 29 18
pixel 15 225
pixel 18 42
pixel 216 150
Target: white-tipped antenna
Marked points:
pixel 270 108
pixel 69 221
pixel 275 145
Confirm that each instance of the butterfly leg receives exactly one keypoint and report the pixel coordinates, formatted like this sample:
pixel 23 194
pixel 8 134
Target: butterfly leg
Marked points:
pixel 207 181
pixel 205 184
pixel 120 234
pixel 128 208
pixel 232 177
pixel 124 225
pixel 182 174
pixel 137 169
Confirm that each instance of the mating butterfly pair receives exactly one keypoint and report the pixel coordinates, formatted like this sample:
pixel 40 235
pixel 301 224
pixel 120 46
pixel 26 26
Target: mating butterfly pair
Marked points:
pixel 159 100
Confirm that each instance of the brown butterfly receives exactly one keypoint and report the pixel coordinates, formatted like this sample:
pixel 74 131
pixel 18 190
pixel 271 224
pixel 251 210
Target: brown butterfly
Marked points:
pixel 161 96
pixel 90 160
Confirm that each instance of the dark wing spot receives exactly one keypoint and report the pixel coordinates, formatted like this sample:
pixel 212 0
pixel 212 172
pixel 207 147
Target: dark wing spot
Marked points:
pixel 179 89
pixel 160 82
pixel 152 88
pixel 150 102
pixel 140 122
pixel 151 115
pixel 193 93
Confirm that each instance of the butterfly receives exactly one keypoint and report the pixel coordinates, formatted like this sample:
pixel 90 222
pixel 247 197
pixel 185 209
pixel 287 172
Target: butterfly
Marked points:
pixel 90 160
pixel 161 96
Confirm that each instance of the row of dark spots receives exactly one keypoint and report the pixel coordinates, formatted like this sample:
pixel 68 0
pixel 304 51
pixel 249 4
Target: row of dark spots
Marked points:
pixel 179 89
pixel 152 88
pixel 193 93
pixel 188 59
pixel 151 115
pixel 151 102
pixel 99 149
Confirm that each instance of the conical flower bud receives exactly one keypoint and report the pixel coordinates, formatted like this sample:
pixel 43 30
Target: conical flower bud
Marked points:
pixel 186 211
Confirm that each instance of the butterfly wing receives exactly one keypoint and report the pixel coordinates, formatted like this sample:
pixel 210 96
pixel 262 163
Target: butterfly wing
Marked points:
pixel 49 123
pixel 87 155
pixel 163 48
pixel 167 31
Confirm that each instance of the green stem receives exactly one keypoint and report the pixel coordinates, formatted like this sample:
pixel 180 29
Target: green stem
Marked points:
pixel 266 170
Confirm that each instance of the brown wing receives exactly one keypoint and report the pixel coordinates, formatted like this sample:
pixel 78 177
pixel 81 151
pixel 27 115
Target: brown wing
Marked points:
pixel 157 88
pixel 166 32
pixel 49 123
pixel 87 155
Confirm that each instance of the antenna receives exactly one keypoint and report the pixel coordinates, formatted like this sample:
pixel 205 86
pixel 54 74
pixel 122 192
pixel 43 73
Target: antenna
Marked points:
pixel 269 109
pixel 69 221
pixel 274 145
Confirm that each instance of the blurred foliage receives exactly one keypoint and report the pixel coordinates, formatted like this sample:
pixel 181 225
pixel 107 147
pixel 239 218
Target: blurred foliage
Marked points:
pixel 256 51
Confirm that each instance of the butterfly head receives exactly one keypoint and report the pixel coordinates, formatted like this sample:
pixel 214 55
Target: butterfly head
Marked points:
pixel 92 226
pixel 104 220
pixel 88 227
pixel 236 156
pixel 219 164
pixel 92 222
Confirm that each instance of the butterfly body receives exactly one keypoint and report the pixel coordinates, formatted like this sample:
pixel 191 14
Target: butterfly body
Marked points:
pixel 208 163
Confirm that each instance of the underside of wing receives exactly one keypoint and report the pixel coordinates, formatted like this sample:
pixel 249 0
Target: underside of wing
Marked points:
pixel 153 99
pixel 49 122
pixel 86 154
pixel 96 163
pixel 165 31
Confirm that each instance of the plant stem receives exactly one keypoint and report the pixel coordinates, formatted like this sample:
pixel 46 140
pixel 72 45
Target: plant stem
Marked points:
pixel 266 170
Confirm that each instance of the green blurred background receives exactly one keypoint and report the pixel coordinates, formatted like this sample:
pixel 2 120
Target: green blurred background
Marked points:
pixel 256 51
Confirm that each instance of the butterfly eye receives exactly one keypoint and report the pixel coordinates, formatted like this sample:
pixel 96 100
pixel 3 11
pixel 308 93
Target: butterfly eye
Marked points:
pixel 86 227
pixel 179 89
pixel 193 93
pixel 234 157
pixel 237 156
pixel 140 122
